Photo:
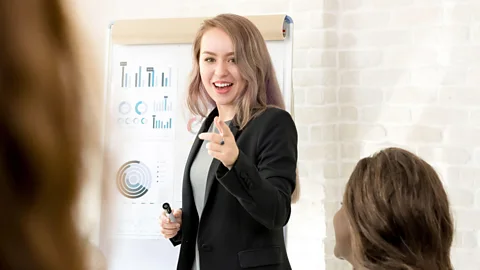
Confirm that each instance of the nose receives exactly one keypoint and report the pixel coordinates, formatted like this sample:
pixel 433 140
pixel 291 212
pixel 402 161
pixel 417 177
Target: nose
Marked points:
pixel 221 69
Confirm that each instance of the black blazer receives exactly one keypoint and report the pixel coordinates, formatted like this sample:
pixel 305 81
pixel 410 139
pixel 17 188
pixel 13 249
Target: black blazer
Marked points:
pixel 246 207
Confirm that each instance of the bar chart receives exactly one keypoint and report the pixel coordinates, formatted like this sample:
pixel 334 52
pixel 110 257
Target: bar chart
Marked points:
pixel 165 123
pixel 140 76
pixel 164 105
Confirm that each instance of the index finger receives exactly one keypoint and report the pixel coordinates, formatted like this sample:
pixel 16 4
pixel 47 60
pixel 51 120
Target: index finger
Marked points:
pixel 164 219
pixel 209 136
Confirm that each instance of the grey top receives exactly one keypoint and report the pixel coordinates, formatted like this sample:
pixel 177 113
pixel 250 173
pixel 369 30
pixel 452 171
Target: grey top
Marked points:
pixel 198 178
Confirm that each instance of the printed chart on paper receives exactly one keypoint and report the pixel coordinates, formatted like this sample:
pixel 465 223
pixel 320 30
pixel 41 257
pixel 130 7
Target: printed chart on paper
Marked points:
pixel 143 101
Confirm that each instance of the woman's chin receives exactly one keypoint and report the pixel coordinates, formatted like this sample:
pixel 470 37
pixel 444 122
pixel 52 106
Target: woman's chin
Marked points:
pixel 338 255
pixel 224 102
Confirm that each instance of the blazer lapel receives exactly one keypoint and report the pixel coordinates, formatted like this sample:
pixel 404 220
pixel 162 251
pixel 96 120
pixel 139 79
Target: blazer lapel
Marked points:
pixel 197 142
pixel 215 163
pixel 187 185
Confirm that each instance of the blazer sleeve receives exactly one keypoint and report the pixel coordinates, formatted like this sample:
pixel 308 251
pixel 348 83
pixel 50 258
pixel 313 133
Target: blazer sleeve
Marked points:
pixel 264 189
pixel 177 239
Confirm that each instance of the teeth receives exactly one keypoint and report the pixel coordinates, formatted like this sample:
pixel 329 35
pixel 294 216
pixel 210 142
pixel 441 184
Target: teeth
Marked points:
pixel 222 84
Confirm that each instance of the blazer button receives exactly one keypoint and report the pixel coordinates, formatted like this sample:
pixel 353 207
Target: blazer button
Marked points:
pixel 243 175
pixel 206 247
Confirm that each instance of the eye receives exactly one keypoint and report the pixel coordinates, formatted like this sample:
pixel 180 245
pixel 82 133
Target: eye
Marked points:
pixel 209 59
pixel 232 60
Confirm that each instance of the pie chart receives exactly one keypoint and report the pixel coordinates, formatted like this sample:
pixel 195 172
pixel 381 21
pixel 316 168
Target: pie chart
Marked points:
pixel 133 179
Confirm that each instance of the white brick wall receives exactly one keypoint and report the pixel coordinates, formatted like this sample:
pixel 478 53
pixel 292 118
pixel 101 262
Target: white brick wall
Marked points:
pixel 367 74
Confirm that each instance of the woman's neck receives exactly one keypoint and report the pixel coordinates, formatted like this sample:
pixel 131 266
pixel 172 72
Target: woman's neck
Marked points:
pixel 226 112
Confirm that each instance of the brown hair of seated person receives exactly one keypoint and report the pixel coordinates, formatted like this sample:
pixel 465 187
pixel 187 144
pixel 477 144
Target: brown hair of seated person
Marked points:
pixel 395 215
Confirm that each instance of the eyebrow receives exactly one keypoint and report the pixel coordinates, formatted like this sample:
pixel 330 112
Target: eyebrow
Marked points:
pixel 212 53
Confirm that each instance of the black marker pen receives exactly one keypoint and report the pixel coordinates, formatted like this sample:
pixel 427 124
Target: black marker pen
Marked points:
pixel 168 211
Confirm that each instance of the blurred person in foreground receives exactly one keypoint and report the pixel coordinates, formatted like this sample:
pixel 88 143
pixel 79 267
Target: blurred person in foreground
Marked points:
pixel 43 138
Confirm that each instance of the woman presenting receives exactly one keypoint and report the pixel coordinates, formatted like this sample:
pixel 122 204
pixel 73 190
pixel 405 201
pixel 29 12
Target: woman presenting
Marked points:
pixel 240 175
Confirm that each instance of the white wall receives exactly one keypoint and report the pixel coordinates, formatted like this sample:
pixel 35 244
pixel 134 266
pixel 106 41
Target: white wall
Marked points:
pixel 367 74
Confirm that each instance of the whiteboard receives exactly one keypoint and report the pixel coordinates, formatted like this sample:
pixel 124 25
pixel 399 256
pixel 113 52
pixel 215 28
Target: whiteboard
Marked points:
pixel 151 132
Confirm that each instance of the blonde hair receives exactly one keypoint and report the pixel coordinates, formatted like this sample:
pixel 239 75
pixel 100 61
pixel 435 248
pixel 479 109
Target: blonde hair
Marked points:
pixel 256 68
